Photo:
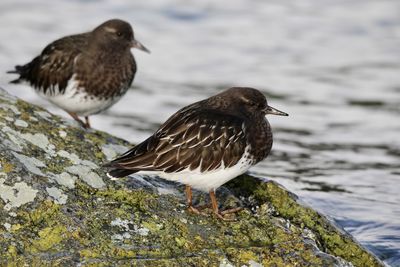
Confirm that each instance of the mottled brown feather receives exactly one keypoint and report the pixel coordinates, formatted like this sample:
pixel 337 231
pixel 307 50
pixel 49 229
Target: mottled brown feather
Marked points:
pixel 207 135
pixel 179 144
pixel 103 67
pixel 51 70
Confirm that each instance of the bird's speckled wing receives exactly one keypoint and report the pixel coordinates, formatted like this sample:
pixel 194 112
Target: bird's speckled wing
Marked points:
pixel 51 70
pixel 190 139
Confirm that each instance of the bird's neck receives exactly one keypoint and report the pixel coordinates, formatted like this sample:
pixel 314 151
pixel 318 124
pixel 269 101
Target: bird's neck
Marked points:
pixel 259 136
pixel 103 49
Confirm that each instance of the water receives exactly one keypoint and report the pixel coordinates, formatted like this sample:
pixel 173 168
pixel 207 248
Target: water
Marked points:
pixel 334 66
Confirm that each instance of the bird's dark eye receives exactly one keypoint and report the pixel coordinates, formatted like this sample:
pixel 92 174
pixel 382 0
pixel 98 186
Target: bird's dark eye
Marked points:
pixel 256 104
pixel 119 34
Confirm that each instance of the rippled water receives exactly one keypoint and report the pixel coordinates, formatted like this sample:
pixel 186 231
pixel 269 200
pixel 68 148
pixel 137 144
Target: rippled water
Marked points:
pixel 334 66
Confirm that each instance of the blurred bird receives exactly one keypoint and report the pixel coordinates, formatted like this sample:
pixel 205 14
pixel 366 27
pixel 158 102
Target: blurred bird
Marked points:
pixel 85 73
pixel 205 144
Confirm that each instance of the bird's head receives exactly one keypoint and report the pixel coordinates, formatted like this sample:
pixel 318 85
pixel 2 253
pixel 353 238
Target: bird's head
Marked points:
pixel 250 101
pixel 117 33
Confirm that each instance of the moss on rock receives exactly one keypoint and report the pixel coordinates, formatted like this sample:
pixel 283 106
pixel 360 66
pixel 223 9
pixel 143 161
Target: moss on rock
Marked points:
pixel 76 215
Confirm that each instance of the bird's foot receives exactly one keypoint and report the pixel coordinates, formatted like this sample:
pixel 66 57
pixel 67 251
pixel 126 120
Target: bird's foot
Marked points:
pixel 225 215
pixel 203 207
pixel 194 210
pixel 222 217
pixel 85 124
pixel 230 211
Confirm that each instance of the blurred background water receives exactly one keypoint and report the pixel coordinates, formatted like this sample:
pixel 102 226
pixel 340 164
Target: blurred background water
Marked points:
pixel 333 65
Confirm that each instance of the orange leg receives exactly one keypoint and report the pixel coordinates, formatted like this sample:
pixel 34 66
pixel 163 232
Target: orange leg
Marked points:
pixel 87 122
pixel 189 195
pixel 75 117
pixel 214 204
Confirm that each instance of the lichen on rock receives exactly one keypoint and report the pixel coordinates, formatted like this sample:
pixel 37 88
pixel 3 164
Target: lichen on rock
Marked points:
pixel 57 207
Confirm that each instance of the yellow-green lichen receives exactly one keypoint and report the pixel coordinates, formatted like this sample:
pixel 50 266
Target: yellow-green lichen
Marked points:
pixel 113 225
pixel 172 236
pixel 5 166
pixel 286 206
pixel 46 213
pixel 48 238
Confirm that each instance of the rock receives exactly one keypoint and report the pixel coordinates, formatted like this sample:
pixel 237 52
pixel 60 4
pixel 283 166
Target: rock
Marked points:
pixel 57 207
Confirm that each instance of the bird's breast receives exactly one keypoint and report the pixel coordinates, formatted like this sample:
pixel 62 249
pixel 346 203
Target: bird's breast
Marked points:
pixel 259 137
pixel 106 77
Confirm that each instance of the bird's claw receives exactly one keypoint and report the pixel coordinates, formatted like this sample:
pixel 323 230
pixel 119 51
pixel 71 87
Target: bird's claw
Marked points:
pixel 194 210
pixel 219 215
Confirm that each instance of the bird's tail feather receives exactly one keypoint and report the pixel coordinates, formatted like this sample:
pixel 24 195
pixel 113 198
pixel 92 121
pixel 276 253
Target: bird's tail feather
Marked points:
pixel 13 71
pixel 119 173
pixel 116 170
pixel 131 161
pixel 16 81
pixel 18 70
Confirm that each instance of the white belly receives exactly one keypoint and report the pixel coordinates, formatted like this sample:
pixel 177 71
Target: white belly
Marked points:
pixel 211 180
pixel 75 100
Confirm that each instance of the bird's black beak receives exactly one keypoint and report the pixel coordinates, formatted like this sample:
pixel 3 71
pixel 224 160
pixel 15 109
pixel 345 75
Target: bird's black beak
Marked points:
pixel 138 45
pixel 274 111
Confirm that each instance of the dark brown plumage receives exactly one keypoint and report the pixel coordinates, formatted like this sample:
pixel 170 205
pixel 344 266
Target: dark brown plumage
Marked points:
pixel 84 73
pixel 206 143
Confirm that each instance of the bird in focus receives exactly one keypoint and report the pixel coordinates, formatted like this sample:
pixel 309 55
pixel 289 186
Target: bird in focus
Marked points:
pixel 85 73
pixel 205 144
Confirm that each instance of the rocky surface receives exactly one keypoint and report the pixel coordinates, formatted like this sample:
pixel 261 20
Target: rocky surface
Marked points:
pixel 57 207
